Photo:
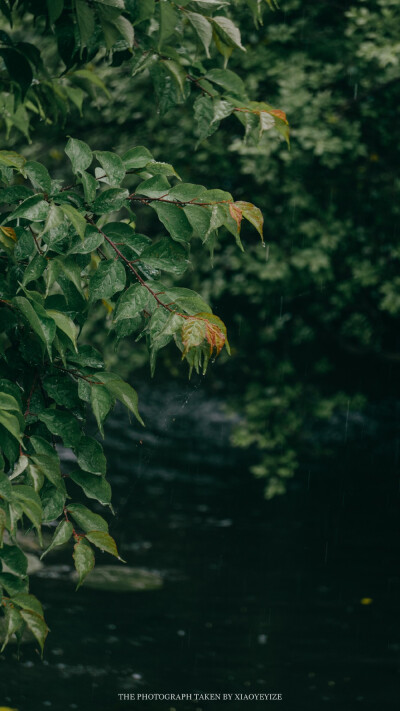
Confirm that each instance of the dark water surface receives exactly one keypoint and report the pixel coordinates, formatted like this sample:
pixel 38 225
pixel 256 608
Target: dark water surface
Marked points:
pixel 298 596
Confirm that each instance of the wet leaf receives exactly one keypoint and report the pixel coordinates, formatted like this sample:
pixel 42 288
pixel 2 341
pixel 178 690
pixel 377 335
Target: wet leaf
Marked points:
pixel 83 559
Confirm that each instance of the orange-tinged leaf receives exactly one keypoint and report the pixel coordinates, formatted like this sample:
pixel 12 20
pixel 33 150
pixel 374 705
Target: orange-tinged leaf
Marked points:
pixel 236 213
pixel 253 214
pixel 193 333
pixel 280 114
pixel 9 232
pixel 204 327
pixel 215 337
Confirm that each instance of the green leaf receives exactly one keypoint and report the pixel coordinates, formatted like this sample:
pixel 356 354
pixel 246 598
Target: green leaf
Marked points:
pixel 49 465
pixel 103 541
pixel 12 160
pixel 94 487
pixel 162 328
pixel 13 621
pixel 12 424
pixel 228 32
pixel 101 402
pixel 72 271
pixel 90 186
pixel 3 525
pixel 160 168
pixel 35 477
pixel 8 402
pixel 55 218
pixel 185 300
pixel 154 187
pixel 199 218
pixel 61 536
pixel 177 72
pixel 34 269
pixel 222 109
pixel 204 115
pixel 66 325
pixel 125 29
pixel 54 8
pixel 141 62
pixel 93 240
pixel 86 21
pixel 202 27
pixel 42 446
pixel 83 559
pixel 123 233
pixel 33 208
pixel 165 254
pixel 5 487
pixel 132 302
pixel 41 324
pixel 142 10
pixel 136 158
pixel 112 166
pixel 36 625
pixel 18 68
pixel 168 22
pixel 13 584
pixel 229 81
pixel 108 279
pixel 76 219
pixel 253 214
pixel 28 602
pixel 62 424
pixel 86 519
pixel 92 77
pixel 38 175
pixel 53 501
pixel 88 357
pixel 226 51
pixel 121 391
pixel 187 192
pixel 110 200
pixel 174 220
pixel 90 456
pixel 14 559
pixel 14 194
pixel 112 3
pixel 30 503
pixel 79 154
pixel 110 31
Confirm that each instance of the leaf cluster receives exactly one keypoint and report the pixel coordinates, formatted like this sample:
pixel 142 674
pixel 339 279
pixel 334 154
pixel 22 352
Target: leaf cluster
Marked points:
pixel 175 45
pixel 64 250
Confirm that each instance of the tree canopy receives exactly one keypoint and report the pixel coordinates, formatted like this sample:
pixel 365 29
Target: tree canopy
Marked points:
pixel 69 243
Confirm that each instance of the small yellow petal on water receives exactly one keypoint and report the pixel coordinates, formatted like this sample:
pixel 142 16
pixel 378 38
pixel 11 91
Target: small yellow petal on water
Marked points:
pixel 364 601
pixel 7 708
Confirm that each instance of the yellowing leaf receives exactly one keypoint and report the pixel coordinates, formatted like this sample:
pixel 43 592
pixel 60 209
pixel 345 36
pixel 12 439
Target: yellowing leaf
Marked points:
pixel 236 213
pixel 109 307
pixel 280 114
pixel 203 327
pixel 214 337
pixel 253 214
pixel 8 232
pixel 193 333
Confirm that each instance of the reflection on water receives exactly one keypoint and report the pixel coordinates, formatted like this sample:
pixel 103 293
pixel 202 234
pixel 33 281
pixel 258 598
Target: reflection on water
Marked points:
pixel 242 595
